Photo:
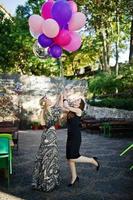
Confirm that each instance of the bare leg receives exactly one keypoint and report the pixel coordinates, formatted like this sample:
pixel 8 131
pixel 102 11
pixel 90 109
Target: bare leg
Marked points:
pixel 84 159
pixel 72 166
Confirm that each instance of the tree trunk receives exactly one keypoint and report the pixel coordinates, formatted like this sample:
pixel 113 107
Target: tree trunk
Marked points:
pixel 131 44
pixel 105 52
pixel 101 67
pixel 117 44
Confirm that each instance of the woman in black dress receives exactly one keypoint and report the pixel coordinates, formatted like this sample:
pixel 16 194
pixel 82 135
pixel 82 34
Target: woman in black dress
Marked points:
pixel 74 139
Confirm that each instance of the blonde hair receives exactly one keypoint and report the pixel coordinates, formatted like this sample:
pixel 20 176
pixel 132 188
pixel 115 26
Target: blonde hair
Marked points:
pixel 44 110
pixel 43 104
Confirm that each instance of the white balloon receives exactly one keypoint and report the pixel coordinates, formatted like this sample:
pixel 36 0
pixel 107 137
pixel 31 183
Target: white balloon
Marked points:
pixel 39 51
pixel 34 35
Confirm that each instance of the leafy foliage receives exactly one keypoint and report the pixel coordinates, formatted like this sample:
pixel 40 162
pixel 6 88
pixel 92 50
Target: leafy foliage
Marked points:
pixel 126 77
pixel 16 45
pixel 99 39
pixel 119 103
pixel 104 84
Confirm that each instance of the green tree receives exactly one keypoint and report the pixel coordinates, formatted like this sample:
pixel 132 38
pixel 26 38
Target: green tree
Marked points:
pixel 106 31
pixel 6 43
pixel 109 22
pixel 16 44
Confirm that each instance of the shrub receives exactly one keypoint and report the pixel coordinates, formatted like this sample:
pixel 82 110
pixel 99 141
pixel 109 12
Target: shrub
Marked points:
pixel 104 84
pixel 126 104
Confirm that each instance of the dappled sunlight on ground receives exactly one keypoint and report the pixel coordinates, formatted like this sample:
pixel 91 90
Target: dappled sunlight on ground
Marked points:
pixel 5 196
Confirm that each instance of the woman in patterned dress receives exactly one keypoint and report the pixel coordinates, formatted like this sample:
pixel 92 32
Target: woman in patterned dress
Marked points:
pixel 46 173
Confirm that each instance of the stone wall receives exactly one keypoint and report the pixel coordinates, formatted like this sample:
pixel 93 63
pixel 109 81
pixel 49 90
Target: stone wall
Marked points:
pixel 102 112
pixel 26 91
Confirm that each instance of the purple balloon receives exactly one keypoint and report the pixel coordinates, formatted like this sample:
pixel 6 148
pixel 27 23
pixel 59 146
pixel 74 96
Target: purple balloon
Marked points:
pixel 61 0
pixel 66 26
pixel 55 51
pixel 44 41
pixel 62 13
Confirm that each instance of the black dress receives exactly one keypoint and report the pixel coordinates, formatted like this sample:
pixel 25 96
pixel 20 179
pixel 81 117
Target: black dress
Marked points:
pixel 74 136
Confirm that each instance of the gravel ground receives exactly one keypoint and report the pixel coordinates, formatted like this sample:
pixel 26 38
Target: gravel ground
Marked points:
pixel 114 180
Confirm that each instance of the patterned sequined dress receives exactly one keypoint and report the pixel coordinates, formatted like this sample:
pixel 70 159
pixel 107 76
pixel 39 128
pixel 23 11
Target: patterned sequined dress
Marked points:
pixel 46 173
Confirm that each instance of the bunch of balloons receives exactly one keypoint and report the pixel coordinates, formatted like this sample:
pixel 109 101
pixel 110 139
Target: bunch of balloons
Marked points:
pixel 56 28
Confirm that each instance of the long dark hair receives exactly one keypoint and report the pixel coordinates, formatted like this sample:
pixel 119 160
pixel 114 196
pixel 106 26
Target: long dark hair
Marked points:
pixel 82 105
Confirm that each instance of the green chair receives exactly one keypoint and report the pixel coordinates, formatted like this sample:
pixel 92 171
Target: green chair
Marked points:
pixel 6 135
pixel 125 151
pixel 5 156
pixel 9 136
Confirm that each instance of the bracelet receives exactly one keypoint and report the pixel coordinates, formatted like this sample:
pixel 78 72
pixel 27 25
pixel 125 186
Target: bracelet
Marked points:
pixel 64 100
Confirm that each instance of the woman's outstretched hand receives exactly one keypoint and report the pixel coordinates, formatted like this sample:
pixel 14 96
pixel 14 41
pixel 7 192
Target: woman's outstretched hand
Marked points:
pixel 64 94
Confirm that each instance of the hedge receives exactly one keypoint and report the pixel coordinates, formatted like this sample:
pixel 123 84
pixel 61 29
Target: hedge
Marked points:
pixel 126 104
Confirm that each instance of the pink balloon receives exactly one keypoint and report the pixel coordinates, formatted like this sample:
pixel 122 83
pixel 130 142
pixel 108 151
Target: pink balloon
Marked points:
pixel 46 9
pixel 50 28
pixel 77 21
pixel 75 42
pixel 73 6
pixel 63 38
pixel 35 23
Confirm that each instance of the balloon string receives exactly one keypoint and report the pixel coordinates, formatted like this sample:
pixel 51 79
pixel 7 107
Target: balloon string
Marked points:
pixel 61 74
